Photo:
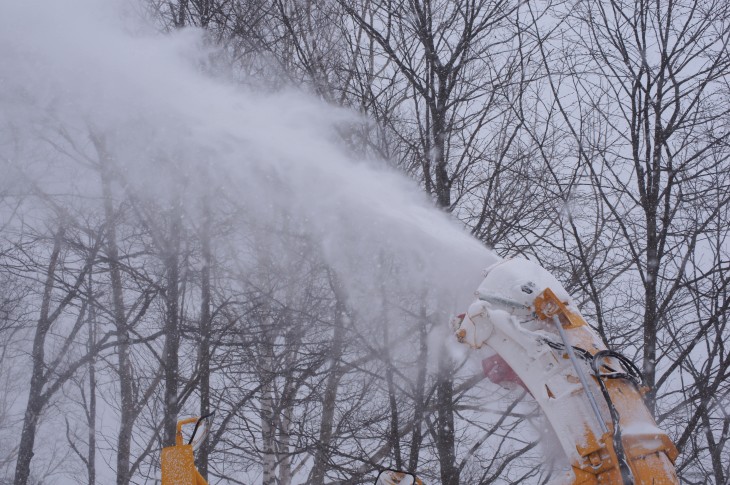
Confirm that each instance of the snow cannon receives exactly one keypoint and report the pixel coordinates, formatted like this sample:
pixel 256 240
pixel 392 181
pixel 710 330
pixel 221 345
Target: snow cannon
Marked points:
pixel 592 397
pixel 178 462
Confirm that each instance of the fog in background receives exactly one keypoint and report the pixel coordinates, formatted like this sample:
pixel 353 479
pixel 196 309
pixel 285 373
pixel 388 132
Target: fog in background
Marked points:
pixel 273 209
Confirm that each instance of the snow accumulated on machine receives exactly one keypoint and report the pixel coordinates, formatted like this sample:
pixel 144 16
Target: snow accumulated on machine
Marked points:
pixel 591 396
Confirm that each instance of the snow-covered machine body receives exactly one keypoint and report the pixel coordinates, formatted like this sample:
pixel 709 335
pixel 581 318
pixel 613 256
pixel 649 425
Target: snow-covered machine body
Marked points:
pixel 592 397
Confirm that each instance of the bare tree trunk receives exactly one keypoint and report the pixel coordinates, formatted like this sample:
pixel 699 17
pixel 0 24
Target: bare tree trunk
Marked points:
pixel 91 416
pixel 172 330
pixel 445 441
pixel 285 471
pixel 329 398
pixel 126 389
pixel 38 377
pixel 394 435
pixel 284 421
pixel 267 406
pixel 420 395
pixel 445 438
pixel 205 333
pixel 181 14
pixel 439 160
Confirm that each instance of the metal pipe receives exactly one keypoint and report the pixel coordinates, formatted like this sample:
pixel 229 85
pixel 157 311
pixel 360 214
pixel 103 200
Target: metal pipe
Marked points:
pixel 500 300
pixel 581 375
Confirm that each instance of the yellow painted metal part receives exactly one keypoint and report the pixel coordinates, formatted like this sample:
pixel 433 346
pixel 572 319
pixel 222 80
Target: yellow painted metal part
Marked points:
pixel 178 462
pixel 649 452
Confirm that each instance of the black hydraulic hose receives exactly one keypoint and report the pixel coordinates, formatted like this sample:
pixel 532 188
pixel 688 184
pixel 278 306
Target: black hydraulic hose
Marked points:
pixel 197 424
pixel 633 375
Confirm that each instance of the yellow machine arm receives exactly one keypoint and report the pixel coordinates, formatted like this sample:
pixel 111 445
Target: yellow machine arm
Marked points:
pixel 645 455
pixel 178 463
pixel 592 397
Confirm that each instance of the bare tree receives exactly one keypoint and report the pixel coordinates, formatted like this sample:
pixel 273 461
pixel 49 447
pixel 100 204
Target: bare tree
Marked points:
pixel 639 95
pixel 62 286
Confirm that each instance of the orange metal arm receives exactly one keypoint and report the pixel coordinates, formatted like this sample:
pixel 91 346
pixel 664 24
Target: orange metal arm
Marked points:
pixel 650 454
pixel 178 462
pixel 178 433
